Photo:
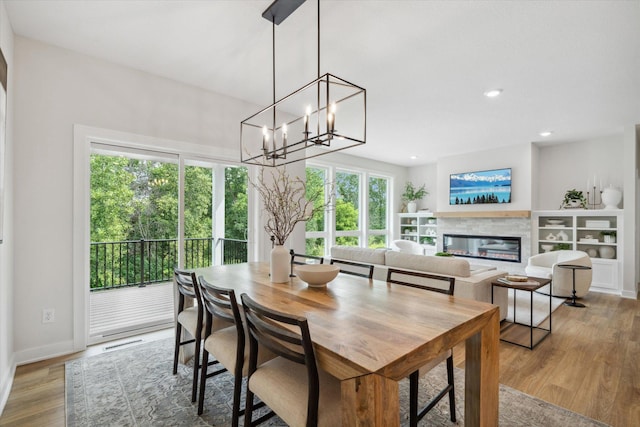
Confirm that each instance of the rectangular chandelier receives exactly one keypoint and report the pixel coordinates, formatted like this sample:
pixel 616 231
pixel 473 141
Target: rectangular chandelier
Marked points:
pixel 329 114
pixel 326 115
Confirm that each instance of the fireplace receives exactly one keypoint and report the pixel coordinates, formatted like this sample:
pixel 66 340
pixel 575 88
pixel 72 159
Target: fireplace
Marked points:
pixel 496 248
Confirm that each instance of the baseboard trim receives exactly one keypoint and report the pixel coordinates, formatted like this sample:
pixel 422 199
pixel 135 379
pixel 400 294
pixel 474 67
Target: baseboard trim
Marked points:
pixel 36 354
pixel 630 294
pixel 7 383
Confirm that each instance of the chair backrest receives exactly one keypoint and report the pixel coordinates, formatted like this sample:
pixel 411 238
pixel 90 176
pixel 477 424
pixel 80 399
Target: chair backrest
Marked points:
pixel 302 259
pixel 221 303
pixel 355 268
pixel 267 328
pixel 187 287
pixel 430 282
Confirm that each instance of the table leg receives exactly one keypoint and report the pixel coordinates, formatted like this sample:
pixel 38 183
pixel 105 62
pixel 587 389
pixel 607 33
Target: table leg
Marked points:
pixel 481 375
pixel 370 400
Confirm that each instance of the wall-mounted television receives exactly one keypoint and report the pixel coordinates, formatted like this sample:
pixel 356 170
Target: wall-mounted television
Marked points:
pixel 480 187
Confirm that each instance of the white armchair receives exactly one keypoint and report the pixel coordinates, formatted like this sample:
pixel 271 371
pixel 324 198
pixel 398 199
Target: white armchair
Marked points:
pixel 407 246
pixel 545 265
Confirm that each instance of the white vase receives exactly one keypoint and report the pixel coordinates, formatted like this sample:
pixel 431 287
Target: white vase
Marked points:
pixel 611 197
pixel 412 207
pixel 280 264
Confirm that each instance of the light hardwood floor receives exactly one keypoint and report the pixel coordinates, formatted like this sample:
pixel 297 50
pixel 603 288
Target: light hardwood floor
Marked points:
pixel 590 364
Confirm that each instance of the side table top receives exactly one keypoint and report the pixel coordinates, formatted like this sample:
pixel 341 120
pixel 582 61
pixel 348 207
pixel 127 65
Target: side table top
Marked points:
pixel 574 266
pixel 531 284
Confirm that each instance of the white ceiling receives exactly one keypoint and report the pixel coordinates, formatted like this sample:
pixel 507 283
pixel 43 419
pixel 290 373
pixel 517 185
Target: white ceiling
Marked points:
pixel 569 66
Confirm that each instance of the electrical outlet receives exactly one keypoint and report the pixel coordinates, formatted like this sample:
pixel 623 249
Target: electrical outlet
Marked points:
pixel 48 315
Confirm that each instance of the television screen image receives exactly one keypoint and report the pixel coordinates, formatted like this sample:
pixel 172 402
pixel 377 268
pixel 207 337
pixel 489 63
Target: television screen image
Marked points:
pixel 472 188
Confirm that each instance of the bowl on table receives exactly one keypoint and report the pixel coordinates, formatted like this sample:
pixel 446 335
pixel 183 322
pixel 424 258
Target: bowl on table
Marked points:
pixel 317 275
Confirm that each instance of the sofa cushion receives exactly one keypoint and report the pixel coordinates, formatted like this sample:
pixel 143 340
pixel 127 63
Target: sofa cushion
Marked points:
pixel 352 253
pixel 433 264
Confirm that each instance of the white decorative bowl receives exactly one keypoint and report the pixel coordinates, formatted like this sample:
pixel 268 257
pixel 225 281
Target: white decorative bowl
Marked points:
pixel 546 248
pixel 317 275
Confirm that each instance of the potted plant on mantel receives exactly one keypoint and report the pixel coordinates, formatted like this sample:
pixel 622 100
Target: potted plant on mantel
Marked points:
pixel 573 199
pixel 412 194
pixel 286 202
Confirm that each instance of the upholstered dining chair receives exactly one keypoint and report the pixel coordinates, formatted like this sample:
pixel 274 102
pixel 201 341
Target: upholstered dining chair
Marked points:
pixel 291 384
pixel 433 283
pixel 227 345
pixel 354 268
pixel 189 318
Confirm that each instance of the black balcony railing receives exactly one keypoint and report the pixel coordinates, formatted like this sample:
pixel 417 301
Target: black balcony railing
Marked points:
pixel 139 262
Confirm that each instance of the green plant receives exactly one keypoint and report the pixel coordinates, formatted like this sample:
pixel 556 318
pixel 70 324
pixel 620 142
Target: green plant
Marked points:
pixel 428 240
pixel 412 193
pixel 562 246
pixel 574 195
pixel 608 233
pixel 443 254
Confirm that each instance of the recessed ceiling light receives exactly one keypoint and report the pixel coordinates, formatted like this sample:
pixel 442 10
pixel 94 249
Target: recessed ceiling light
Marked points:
pixel 546 133
pixel 413 157
pixel 493 93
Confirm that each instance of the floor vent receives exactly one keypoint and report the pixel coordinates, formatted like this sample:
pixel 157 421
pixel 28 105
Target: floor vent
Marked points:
pixel 111 347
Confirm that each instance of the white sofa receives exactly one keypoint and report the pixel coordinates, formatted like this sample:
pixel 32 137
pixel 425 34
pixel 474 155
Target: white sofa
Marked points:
pixel 546 264
pixel 470 284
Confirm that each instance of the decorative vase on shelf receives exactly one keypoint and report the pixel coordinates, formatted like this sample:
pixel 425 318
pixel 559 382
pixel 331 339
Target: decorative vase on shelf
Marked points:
pixel 607 252
pixel 280 263
pixel 412 207
pixel 611 197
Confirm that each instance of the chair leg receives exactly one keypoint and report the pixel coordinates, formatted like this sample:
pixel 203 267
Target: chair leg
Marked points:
pixel 413 399
pixel 248 408
pixel 203 380
pixel 196 368
pixel 452 392
pixel 237 390
pixel 177 348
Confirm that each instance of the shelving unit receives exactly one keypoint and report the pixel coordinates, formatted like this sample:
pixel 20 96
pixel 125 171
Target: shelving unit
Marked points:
pixel 584 230
pixel 420 227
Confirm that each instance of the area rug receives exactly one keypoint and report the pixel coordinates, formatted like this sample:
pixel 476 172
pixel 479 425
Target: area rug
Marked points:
pixel 540 306
pixel 135 387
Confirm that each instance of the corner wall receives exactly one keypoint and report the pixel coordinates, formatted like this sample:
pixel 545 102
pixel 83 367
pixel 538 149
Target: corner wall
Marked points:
pixel 7 362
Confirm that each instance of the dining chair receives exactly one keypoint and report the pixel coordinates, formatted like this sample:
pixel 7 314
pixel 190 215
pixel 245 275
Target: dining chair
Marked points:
pixel 305 259
pixel 189 318
pixel 291 384
pixel 354 268
pixel 227 345
pixel 433 283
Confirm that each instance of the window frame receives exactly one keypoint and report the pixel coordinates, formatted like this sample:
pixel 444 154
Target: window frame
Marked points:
pixel 363 232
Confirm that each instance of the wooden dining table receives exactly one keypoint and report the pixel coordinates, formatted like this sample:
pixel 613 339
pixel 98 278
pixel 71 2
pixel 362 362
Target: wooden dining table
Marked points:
pixel 371 334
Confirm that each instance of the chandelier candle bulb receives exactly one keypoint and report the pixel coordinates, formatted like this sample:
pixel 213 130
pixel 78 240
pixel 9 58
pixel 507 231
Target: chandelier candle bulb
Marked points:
pixel 265 138
pixel 284 138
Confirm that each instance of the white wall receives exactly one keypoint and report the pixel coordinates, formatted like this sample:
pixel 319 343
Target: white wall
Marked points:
pixel 55 89
pixel 7 364
pixel 566 166
pixel 427 175
pixel 517 157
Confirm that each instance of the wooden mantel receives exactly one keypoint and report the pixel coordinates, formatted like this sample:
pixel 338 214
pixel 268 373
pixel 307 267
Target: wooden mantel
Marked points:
pixel 484 214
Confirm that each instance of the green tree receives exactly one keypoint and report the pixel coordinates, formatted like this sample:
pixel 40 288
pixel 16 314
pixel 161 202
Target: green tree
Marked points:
pixel 111 198
pixel 236 203
pixel 316 180
pixel 347 200
pixel 377 203
pixel 198 188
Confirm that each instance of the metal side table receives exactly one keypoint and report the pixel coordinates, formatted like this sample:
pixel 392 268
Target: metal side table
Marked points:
pixel 573 268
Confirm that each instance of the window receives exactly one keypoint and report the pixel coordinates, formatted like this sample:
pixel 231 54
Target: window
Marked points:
pixel 360 216
pixel 347 208
pixel 378 201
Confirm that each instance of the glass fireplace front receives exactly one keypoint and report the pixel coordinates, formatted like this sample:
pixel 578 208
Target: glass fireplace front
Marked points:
pixel 497 248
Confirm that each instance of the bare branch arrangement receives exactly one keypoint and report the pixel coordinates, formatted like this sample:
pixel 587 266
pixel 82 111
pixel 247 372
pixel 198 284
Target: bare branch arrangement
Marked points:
pixel 288 201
